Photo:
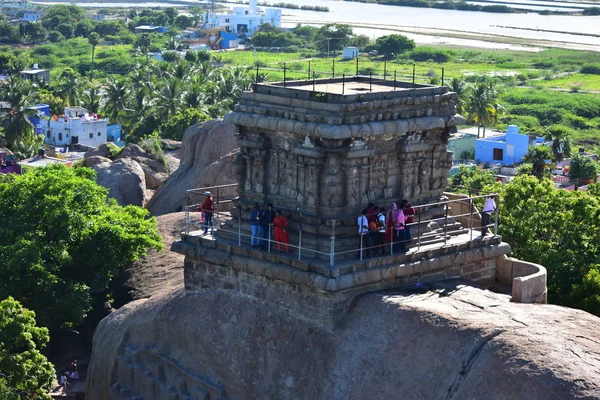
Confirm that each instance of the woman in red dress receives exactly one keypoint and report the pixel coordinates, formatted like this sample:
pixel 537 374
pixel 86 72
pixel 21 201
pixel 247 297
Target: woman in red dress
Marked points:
pixel 281 231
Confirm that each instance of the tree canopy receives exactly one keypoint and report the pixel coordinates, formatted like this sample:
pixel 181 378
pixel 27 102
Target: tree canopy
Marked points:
pixel 332 37
pixel 61 236
pixel 583 169
pixel 395 43
pixel 24 371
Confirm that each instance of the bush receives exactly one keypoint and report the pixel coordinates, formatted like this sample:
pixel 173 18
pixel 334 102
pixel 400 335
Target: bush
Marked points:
pixel 591 69
pixel 424 54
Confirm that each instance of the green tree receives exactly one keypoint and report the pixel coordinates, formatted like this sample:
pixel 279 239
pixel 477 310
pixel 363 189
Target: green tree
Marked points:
pixel 559 229
pixel 143 44
pixel 34 32
pixel 24 371
pixel 184 21
pixel 175 126
pixel 395 43
pixel 561 141
pixel 18 131
pixel 60 14
pixel 60 236
pixel 93 40
pixel 471 179
pixel 482 103
pixel 332 37
pixel 459 86
pixel 66 29
pixel 583 170
pixel 539 157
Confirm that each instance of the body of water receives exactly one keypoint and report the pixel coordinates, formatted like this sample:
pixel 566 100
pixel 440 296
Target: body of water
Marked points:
pixel 378 19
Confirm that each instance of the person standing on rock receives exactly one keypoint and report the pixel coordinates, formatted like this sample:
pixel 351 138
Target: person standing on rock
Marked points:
pixel 409 215
pixel 281 232
pixel 208 207
pixel 488 208
pixel 363 231
pixel 266 219
pixel 255 222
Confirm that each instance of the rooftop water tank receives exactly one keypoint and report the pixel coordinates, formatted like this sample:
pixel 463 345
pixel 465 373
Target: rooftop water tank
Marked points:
pixel 512 129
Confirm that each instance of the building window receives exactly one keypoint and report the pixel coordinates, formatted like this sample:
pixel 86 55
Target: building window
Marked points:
pixel 498 154
pixel 59 135
pixel 91 135
pixel 67 135
pixel 48 134
pixel 99 133
pixel 226 20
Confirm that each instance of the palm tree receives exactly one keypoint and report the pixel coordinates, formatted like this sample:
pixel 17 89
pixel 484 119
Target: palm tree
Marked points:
pixel 69 87
pixel 170 98
pixel 482 104
pixel 172 44
pixel 459 86
pixel 91 98
pixel 93 39
pixel 18 94
pixel 115 98
pixel 143 43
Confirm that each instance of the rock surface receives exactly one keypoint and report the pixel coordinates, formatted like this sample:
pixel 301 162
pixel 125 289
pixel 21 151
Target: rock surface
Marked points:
pixel 159 272
pixel 202 145
pixel 95 160
pixel 155 171
pixel 454 341
pixel 124 179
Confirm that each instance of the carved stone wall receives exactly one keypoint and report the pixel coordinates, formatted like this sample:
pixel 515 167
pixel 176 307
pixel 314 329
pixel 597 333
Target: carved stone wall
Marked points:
pixel 333 158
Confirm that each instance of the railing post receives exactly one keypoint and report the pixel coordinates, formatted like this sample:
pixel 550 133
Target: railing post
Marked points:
pixel 333 68
pixel 308 69
pixel 419 232
pixel 240 226
pixel 332 249
pixel 384 70
pixel 299 236
pixel 471 224
pixel 187 213
pixel 496 216
pixel 413 77
pixel 356 66
pixel 446 226
pixel 361 243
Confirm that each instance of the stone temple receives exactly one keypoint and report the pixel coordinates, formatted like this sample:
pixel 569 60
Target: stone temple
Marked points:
pixel 320 151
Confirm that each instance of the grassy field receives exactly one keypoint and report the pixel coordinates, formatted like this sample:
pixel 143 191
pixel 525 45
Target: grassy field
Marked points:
pixel 462 62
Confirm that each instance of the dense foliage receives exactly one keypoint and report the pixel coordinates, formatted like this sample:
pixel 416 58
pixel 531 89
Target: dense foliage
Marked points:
pixel 24 371
pixel 61 238
pixel 559 229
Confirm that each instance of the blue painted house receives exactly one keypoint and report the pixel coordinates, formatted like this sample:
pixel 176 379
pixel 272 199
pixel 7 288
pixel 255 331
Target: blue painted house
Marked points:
pixel 113 133
pixel 40 118
pixel 505 149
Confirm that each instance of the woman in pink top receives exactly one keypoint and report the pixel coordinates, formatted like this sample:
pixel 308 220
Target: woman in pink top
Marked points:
pixel 399 222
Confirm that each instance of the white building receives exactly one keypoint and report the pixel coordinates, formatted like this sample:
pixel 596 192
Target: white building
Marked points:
pixel 245 19
pixel 77 126
pixel 32 16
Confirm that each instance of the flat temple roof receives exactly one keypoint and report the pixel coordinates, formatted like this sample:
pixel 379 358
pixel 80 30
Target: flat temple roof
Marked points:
pixel 350 85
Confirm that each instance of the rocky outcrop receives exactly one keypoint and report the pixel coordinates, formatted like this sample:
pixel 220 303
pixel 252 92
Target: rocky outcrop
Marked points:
pixel 102 151
pixel 125 180
pixel 202 145
pixel 95 160
pixel 155 171
pixel 453 341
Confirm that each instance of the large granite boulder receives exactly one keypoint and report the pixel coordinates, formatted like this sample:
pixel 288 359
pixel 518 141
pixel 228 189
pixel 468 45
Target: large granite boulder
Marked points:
pixel 95 160
pixel 454 341
pixel 102 151
pixel 125 180
pixel 202 145
pixel 155 171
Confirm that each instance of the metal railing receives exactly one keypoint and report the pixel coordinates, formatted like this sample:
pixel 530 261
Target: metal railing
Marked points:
pixel 344 241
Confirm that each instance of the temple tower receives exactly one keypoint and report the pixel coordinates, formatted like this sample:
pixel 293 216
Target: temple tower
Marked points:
pixel 320 151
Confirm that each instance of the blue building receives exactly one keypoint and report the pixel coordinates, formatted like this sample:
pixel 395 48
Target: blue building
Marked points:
pixel 228 40
pixel 505 149
pixel 39 122
pixel 113 133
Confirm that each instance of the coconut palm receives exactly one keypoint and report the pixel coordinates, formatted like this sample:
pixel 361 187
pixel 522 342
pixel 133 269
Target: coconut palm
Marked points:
pixel 482 103
pixel 91 98
pixel 69 87
pixel 18 95
pixel 93 39
pixel 170 98
pixel 116 93
pixel 459 86
pixel 172 44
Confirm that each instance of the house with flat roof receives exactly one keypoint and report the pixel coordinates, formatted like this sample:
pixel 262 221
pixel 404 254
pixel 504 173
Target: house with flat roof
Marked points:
pixel 150 29
pixel 36 75
pixel 505 149
pixel 77 126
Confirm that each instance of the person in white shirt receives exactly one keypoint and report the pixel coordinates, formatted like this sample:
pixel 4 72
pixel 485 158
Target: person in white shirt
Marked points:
pixel 363 230
pixel 488 209
pixel 380 231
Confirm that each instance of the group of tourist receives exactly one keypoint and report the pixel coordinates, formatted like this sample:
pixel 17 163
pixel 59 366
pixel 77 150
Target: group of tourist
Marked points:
pixel 261 219
pixel 378 226
pixel 69 376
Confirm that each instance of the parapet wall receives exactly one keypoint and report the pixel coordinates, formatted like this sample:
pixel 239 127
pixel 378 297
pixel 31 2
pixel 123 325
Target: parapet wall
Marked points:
pixel 528 280
pixel 324 296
